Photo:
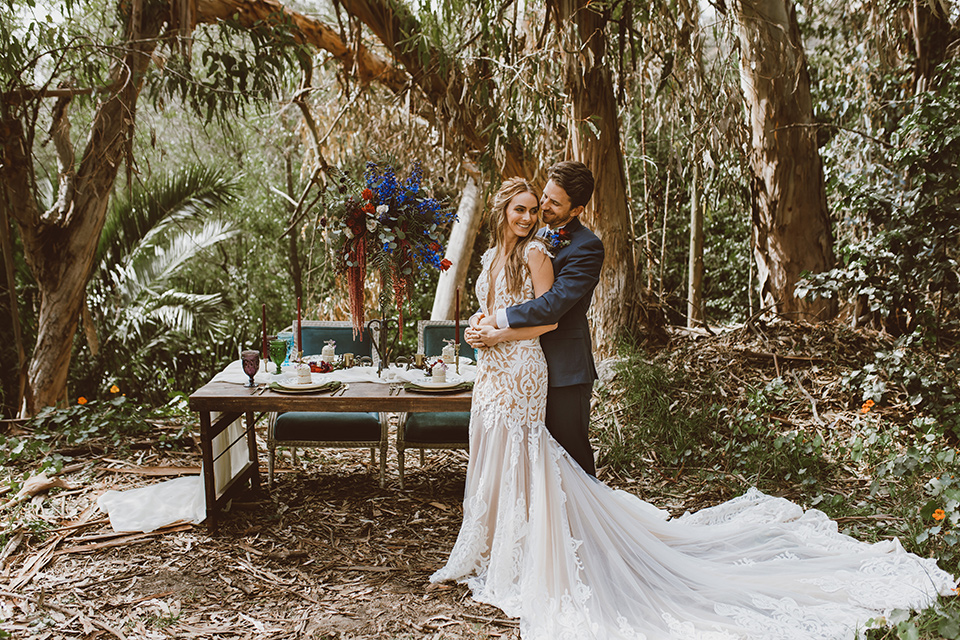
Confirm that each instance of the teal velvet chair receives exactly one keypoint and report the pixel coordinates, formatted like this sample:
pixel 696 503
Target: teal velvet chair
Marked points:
pixel 338 429
pixel 440 429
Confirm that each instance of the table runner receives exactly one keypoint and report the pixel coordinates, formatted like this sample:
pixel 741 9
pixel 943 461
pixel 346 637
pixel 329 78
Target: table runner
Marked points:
pixel 233 372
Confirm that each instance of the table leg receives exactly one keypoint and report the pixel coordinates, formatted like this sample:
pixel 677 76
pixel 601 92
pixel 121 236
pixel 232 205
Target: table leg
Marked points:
pixel 252 448
pixel 209 487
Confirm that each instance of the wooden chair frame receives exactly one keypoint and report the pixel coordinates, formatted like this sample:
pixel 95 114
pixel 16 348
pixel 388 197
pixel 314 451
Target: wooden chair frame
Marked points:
pixel 402 443
pixel 373 445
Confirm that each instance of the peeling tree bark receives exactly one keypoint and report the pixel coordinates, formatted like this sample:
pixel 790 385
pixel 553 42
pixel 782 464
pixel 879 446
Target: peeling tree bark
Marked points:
pixel 595 141
pixel 791 228
pixel 60 244
pixel 695 262
pixel 463 237
pixel 357 59
pixel 445 87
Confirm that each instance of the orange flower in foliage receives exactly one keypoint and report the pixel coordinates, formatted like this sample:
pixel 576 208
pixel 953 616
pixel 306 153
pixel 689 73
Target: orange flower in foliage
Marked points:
pixel 81 400
pixel 939 515
pixel 867 406
pixel 114 389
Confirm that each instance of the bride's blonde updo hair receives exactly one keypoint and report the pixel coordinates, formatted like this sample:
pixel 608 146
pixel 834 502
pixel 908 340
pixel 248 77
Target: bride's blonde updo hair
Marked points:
pixel 515 264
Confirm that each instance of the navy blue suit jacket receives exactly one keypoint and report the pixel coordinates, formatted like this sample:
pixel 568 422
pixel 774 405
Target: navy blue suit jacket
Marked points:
pixel 576 271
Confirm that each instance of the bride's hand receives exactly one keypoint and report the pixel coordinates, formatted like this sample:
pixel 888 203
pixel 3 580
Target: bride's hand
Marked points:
pixel 472 337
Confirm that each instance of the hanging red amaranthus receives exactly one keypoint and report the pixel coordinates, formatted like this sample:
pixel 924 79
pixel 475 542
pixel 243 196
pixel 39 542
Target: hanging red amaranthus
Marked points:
pixel 356 258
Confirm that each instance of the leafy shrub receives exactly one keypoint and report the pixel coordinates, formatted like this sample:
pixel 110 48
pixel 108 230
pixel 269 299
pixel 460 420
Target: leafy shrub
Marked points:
pixel 901 221
pixel 657 419
pixel 908 374
pixel 757 445
pixel 114 419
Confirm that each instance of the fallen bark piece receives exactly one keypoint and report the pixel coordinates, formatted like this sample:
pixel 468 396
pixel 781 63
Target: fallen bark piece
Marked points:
pixel 35 485
pixel 156 471
pixel 124 540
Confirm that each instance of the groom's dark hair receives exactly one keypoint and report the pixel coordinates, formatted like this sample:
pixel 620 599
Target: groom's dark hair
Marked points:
pixel 574 178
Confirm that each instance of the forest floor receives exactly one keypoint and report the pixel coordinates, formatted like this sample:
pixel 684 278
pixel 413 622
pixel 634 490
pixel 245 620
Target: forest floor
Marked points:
pixel 325 554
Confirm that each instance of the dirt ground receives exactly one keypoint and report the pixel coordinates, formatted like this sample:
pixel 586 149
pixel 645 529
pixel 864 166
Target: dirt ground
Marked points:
pixel 326 554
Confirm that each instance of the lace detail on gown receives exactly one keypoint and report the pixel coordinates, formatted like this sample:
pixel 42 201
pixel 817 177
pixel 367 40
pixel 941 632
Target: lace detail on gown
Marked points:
pixel 575 559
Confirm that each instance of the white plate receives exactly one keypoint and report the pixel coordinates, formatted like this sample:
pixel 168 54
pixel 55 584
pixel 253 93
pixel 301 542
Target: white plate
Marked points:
pixel 293 385
pixel 428 383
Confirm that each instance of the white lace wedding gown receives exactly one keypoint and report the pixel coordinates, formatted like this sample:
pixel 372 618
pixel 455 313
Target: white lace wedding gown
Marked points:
pixel 572 558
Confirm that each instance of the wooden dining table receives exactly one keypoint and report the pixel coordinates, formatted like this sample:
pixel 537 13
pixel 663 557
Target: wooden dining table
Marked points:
pixel 232 401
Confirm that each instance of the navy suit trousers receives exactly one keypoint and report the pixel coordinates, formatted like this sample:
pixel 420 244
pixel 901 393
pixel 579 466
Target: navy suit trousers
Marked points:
pixel 568 420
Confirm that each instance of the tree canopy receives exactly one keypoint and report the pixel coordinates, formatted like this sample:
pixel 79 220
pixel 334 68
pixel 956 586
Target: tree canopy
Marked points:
pixel 101 98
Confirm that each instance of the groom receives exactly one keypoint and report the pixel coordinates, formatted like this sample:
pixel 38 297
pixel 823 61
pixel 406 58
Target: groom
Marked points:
pixel 578 256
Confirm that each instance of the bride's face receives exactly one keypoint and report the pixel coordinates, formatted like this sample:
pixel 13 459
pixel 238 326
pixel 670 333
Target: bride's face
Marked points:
pixel 521 215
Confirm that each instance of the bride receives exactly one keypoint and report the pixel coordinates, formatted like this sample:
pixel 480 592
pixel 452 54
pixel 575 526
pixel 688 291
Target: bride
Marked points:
pixel 573 558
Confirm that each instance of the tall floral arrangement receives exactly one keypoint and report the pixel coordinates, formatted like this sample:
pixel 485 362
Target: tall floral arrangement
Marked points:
pixel 390 226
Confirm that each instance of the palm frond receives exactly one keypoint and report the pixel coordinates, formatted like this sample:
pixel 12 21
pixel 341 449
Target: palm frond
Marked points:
pixel 190 193
pixel 151 266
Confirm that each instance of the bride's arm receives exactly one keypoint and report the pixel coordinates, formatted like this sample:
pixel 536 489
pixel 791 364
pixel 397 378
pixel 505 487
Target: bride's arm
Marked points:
pixel 541 273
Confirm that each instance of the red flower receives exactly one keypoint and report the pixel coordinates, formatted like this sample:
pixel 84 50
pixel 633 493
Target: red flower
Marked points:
pixel 445 264
pixel 367 194
pixel 434 247
pixel 369 208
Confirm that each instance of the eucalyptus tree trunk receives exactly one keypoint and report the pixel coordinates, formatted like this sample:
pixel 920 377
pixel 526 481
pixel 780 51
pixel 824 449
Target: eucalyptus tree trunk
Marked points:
pixel 695 263
pixel 791 228
pixel 59 245
pixel 463 237
pixel 595 141
pixel 932 34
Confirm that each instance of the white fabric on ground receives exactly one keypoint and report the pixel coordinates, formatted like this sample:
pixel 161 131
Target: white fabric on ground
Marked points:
pixel 149 508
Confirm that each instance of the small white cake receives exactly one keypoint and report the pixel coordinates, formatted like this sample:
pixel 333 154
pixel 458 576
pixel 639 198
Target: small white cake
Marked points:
pixel 447 353
pixel 439 372
pixel 303 373
pixel 328 352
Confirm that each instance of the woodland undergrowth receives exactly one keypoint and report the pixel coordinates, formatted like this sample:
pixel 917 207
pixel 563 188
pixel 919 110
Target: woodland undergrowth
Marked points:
pixel 851 422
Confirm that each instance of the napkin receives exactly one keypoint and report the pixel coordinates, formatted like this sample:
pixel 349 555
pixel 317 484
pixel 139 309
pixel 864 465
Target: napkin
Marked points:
pixel 466 385
pixel 329 386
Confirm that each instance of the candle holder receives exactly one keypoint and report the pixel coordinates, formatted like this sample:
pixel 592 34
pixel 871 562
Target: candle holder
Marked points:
pixel 385 348
pixel 456 356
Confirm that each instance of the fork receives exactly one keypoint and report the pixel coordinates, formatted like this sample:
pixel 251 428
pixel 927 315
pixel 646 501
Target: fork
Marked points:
pixel 342 390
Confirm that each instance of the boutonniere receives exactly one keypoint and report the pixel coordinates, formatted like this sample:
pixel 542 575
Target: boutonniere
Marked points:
pixel 558 239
